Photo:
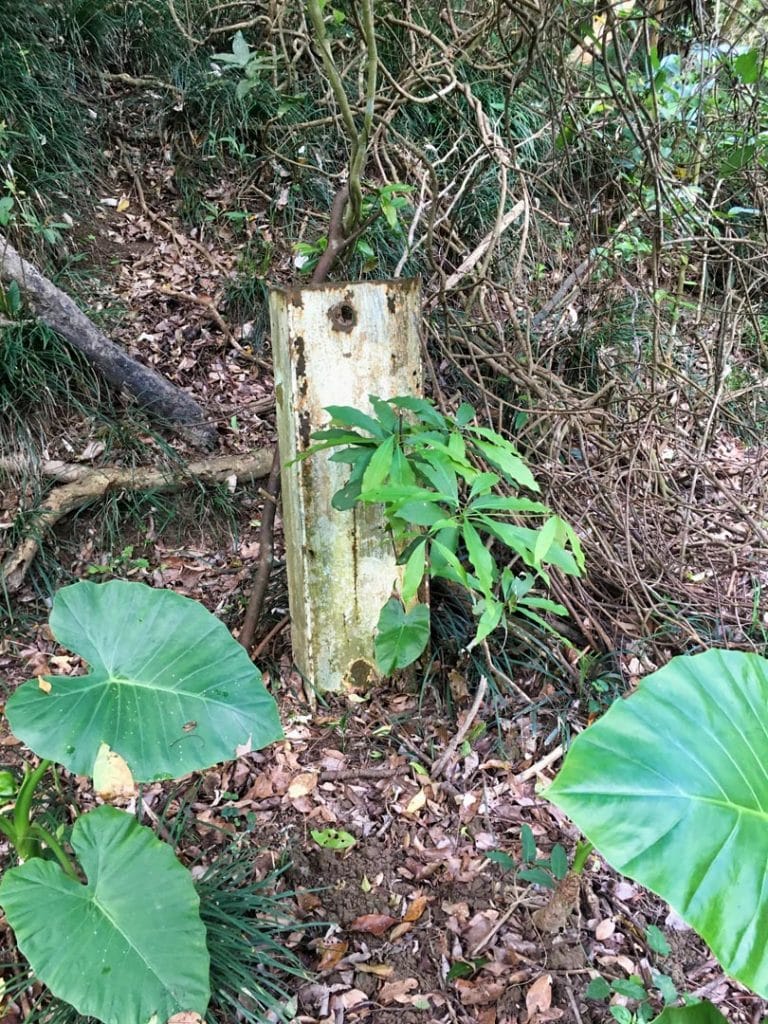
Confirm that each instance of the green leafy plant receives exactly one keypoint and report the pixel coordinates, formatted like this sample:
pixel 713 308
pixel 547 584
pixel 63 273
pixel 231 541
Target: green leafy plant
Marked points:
pixel 169 691
pixel 670 785
pixel 449 495
pixel 634 988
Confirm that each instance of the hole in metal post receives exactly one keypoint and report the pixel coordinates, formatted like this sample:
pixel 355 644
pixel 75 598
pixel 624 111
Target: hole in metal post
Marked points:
pixel 343 316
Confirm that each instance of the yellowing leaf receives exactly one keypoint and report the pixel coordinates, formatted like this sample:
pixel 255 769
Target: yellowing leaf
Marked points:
pixel 416 908
pixel 302 785
pixel 111 775
pixel 416 803
pixel 122 206
pixel 44 685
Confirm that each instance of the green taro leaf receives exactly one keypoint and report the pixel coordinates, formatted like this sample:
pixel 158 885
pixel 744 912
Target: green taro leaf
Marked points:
pixel 671 786
pixel 700 1013
pixel 402 636
pixel 127 945
pixel 414 571
pixel 169 689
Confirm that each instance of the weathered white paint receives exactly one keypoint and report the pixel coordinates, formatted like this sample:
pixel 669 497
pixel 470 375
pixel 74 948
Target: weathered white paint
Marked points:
pixel 336 344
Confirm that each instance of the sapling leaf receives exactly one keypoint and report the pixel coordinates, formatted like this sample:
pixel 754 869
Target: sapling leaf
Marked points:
pixel 558 862
pixel 480 557
pixel 657 940
pixel 348 416
pixel 464 414
pixel 402 636
pixel 598 988
pixel 528 844
pixel 378 468
pixel 414 571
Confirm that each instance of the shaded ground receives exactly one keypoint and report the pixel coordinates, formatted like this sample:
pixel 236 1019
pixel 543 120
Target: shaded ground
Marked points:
pixel 414 921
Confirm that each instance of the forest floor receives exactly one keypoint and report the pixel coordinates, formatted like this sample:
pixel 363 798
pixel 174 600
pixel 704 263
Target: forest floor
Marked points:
pixel 413 921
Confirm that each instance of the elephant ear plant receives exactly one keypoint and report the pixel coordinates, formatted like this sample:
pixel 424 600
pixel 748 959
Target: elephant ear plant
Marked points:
pixel 671 785
pixel 115 930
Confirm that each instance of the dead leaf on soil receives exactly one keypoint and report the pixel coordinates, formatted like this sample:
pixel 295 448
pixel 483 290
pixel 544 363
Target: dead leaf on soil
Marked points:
pixel 539 995
pixel 477 993
pixel 330 954
pixel 605 929
pixel 416 803
pixel 397 991
pixel 185 1017
pixel 372 924
pixel 112 777
pixel 379 970
pixel 416 908
pixel 302 785
pixel 400 930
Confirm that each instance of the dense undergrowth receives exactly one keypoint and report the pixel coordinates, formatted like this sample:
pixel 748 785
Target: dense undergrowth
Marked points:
pixel 602 168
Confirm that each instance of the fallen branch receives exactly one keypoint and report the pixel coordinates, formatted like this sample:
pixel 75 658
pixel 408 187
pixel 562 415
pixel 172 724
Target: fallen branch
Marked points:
pixel 91 484
pixel 153 392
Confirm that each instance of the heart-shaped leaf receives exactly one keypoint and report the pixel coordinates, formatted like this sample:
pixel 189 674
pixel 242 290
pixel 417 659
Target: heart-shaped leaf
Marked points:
pixel 671 786
pixel 401 637
pixel 126 946
pixel 169 690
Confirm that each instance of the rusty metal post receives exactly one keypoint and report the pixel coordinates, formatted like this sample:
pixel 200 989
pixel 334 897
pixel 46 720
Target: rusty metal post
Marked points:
pixel 336 344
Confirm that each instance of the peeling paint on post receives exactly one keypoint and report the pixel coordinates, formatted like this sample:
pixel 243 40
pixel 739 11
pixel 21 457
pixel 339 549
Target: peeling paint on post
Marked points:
pixel 336 344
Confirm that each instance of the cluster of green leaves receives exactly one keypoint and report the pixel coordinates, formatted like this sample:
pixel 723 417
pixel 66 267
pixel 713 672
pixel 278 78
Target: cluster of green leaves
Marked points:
pixel 169 691
pixel 544 871
pixel 446 511
pixel 634 988
pixel 670 785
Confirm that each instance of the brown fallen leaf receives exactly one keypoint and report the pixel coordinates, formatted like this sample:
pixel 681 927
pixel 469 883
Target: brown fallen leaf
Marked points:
pixel 416 803
pixel 302 785
pixel 477 993
pixel 185 1018
pixel 373 924
pixel 379 970
pixel 539 995
pixel 308 901
pixel 331 952
pixel 397 991
pixel 400 930
pixel 416 908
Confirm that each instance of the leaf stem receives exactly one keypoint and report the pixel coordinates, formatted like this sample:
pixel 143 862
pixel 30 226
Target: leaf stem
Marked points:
pixel 22 810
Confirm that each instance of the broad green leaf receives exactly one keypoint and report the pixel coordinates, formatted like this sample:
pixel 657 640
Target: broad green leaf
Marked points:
pixel 401 471
pixel 747 66
pixel 527 844
pixel 545 538
pixel 439 472
pixel 379 466
pixel 657 940
pixel 169 689
pixel 127 945
pixel 423 408
pixel 509 464
pixel 387 417
pixel 240 48
pixel 489 620
pixel 482 484
pixel 414 572
pixel 598 988
pixel 446 564
pixel 464 414
pixel 700 1013
pixel 401 637
pixel 348 416
pixel 629 988
pixel 421 513
pixel 505 862
pixel 558 861
pixel 480 557
pixel 671 786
